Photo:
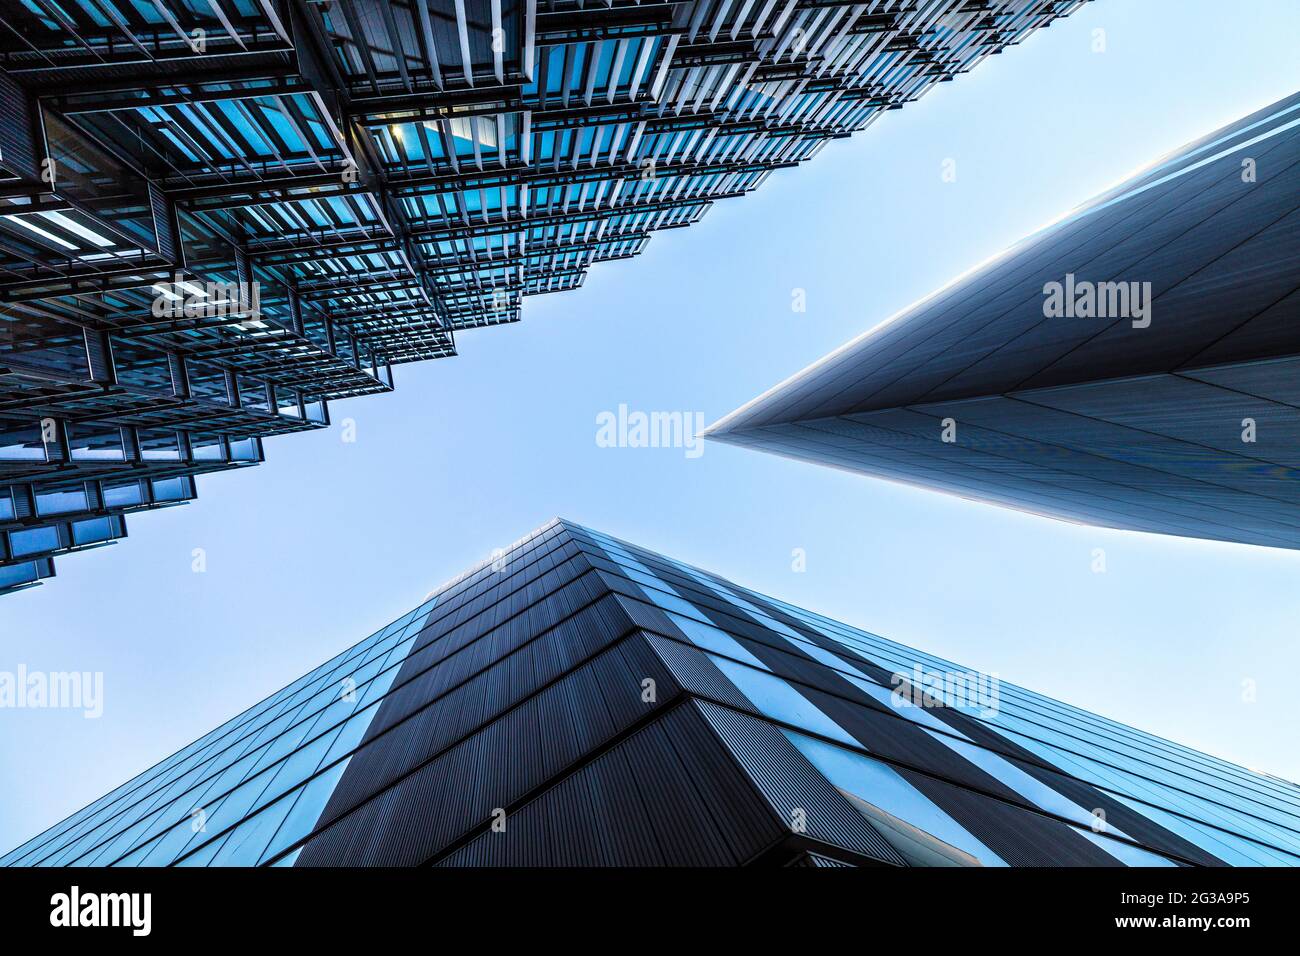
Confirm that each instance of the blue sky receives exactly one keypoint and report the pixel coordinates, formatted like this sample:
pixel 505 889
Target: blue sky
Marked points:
pixel 329 540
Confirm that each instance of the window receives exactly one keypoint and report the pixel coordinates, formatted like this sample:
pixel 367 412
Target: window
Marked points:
pixel 207 448
pixel 286 401
pixel 921 832
pixel 44 343
pixel 94 530
pixel 61 500
pixel 252 394
pixel 207 382
pixel 34 540
pixel 779 700
pixel 244 449
pixel 19 574
pixel 22 444
pixel 158 444
pixel 140 366
pixel 172 489
pixel 91 442
pixel 122 494
pixel 709 638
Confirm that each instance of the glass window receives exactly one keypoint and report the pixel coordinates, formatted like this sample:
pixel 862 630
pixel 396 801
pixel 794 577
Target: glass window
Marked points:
pixel 780 701
pixel 44 343
pixel 709 638
pixel 245 843
pixel 157 444
pixel 94 530
pixel 84 171
pixel 141 366
pixel 96 442
pixel 12 574
pixel 207 382
pixel 1126 853
pixel 207 448
pixel 1031 788
pixel 122 494
pixel 286 401
pixel 252 394
pixel 244 449
pixel 34 540
pixel 306 810
pixel 1231 849
pixel 22 444
pixel 921 832
pixel 172 489
pixel 61 501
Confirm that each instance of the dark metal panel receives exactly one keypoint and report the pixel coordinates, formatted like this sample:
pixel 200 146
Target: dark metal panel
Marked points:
pixel 441 800
pixel 1019 837
pixel 18 148
pixel 794 790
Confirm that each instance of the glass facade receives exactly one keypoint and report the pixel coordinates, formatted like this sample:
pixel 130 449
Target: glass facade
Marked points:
pixel 1134 365
pixel 381 176
pixel 577 700
pixel 273 767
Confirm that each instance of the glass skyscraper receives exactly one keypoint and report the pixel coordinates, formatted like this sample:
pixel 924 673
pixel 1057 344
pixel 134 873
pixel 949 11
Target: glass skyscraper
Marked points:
pixel 223 215
pixel 578 700
pixel 1134 365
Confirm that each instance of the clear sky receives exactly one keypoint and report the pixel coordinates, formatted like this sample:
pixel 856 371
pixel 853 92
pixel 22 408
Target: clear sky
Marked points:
pixel 329 540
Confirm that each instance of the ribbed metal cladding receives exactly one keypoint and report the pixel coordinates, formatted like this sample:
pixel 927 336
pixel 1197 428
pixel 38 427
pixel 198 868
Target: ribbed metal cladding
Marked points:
pixel 1118 815
pixel 24 505
pixel 243 271
pixel 440 667
pixel 817 860
pixel 1019 837
pixel 163 224
pixel 18 150
pixel 434 710
pixel 891 735
pixel 669 795
pixel 180 382
pixel 876 727
pixel 898 739
pixel 696 673
pixel 99 357
pixel 792 786
pixel 508 597
pixel 295 311
pixel 544 687
pixel 442 800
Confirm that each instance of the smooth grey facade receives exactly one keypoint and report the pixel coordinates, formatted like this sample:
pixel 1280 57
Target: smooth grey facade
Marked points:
pixel 1056 381
pixel 580 701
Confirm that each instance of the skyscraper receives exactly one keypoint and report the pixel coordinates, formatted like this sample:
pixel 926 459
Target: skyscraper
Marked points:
pixel 223 216
pixel 1135 364
pixel 577 700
